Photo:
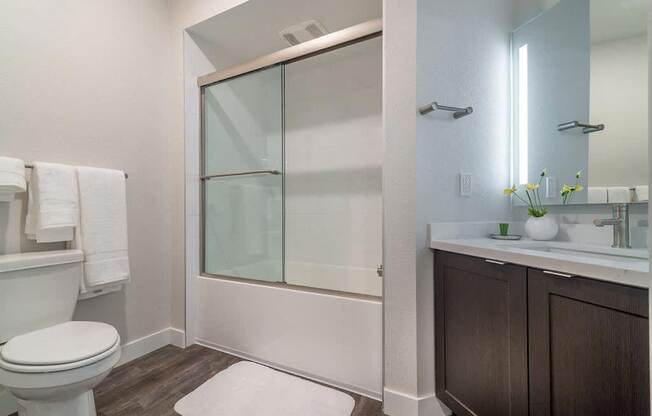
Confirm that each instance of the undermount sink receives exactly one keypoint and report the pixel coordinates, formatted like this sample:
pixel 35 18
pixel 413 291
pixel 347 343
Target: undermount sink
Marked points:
pixel 583 250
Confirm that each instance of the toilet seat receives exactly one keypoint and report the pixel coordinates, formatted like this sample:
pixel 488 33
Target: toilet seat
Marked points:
pixel 43 381
pixel 62 347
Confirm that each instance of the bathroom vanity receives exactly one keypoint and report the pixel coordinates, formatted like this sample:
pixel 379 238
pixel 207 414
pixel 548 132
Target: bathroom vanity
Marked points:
pixel 515 336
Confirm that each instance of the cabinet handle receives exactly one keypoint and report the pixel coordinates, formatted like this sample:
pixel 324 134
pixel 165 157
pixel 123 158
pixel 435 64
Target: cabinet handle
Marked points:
pixel 500 263
pixel 557 274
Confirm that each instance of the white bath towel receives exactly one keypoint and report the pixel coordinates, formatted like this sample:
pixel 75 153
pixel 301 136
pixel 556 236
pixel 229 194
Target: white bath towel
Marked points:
pixel 597 195
pixel 12 178
pixel 618 195
pixel 641 193
pixel 53 203
pixel 102 233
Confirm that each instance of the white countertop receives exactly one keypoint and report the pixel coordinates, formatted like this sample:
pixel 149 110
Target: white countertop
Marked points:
pixel 624 270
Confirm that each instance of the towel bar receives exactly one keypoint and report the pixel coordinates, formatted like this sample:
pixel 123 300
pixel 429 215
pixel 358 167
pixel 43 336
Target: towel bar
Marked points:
pixel 252 172
pixel 457 111
pixel 586 128
pixel 29 166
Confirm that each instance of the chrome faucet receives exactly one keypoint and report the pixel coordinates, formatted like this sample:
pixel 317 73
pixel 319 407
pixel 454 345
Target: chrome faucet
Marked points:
pixel 620 221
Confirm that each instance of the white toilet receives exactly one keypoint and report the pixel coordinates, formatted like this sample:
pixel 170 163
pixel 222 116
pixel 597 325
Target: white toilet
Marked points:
pixel 49 363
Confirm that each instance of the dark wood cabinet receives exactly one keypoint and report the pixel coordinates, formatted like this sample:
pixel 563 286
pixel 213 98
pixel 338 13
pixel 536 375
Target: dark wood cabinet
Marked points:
pixel 588 347
pixel 511 340
pixel 481 336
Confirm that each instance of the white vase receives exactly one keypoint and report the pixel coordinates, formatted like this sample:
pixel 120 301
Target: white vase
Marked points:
pixel 541 228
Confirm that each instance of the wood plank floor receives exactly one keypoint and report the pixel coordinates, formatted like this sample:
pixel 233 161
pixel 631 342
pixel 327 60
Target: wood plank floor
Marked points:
pixel 152 384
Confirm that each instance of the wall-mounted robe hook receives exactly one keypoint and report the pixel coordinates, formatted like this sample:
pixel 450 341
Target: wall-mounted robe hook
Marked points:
pixel 457 111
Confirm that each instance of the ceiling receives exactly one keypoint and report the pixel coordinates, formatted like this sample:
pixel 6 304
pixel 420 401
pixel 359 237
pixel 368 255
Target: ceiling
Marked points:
pixel 618 19
pixel 251 29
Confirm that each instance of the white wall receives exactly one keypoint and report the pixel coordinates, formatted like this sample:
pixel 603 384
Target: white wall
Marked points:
pixel 399 198
pixel 619 99
pixel 184 13
pixel 90 83
pixel 333 169
pixel 443 148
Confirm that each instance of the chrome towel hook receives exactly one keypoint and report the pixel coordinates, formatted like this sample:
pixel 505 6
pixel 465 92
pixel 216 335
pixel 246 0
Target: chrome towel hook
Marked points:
pixel 457 111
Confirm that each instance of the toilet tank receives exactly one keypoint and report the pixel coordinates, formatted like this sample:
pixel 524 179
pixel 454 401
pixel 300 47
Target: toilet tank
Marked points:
pixel 37 290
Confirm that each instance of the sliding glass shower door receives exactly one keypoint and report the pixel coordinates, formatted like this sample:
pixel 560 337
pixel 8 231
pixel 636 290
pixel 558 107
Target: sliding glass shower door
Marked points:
pixel 292 172
pixel 242 176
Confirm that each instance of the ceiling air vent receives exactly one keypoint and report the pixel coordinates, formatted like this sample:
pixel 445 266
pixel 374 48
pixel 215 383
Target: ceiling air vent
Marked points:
pixel 302 32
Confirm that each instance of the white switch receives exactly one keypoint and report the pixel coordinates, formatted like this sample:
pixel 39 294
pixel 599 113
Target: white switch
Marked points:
pixel 552 187
pixel 466 184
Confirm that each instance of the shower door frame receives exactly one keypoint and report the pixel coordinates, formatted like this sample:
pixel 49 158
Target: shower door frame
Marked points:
pixel 336 40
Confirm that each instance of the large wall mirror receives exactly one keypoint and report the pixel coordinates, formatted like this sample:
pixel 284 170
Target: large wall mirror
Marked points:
pixel 580 99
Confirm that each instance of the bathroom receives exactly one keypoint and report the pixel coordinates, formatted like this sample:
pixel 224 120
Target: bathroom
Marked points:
pixel 327 262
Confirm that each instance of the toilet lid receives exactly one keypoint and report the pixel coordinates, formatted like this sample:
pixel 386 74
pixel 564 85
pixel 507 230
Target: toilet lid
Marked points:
pixel 60 344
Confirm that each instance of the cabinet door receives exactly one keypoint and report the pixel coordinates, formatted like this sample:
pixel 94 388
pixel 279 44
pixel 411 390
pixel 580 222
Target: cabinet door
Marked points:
pixel 588 345
pixel 480 336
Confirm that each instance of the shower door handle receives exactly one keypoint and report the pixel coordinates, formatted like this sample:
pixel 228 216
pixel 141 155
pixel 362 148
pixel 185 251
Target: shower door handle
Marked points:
pixel 252 172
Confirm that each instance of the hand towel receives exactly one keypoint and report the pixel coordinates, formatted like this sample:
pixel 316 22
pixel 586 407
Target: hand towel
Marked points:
pixel 597 195
pixel 12 178
pixel 618 195
pixel 53 203
pixel 102 233
pixel 641 193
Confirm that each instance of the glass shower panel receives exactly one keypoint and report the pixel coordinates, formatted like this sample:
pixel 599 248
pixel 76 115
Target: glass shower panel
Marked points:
pixel 243 123
pixel 333 169
pixel 243 183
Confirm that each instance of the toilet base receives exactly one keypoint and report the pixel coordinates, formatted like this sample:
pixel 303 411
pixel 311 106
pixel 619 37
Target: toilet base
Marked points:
pixel 81 405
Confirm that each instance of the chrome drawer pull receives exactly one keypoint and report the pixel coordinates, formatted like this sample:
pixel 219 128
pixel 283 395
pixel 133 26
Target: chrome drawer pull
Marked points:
pixel 557 274
pixel 500 263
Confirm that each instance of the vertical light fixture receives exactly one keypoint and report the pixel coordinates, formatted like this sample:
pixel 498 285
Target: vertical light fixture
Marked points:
pixel 523 114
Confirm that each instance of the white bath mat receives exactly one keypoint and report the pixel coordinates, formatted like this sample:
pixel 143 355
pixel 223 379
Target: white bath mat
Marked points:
pixel 249 389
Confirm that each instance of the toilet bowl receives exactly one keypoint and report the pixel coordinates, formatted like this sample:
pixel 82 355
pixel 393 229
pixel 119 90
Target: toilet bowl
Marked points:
pixel 53 371
pixel 49 363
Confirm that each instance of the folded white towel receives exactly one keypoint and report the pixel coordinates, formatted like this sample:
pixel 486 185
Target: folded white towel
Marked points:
pixel 597 195
pixel 12 178
pixel 641 193
pixel 102 233
pixel 618 195
pixel 53 203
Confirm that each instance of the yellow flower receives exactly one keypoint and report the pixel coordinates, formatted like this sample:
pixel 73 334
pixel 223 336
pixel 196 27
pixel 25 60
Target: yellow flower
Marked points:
pixel 509 191
pixel 578 188
pixel 566 188
pixel 532 186
pixel 578 174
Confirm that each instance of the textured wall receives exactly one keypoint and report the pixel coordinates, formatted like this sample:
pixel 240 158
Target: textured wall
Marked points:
pixel 90 83
pixel 472 70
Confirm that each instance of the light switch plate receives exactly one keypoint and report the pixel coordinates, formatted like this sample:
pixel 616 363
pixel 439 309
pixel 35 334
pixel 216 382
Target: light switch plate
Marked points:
pixel 466 184
pixel 552 187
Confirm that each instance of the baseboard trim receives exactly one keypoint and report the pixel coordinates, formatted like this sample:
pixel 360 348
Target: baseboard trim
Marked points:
pixel 246 356
pixel 397 403
pixel 152 342
pixel 7 403
pixel 177 337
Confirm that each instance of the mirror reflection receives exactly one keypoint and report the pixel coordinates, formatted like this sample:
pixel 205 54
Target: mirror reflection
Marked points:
pixel 580 101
